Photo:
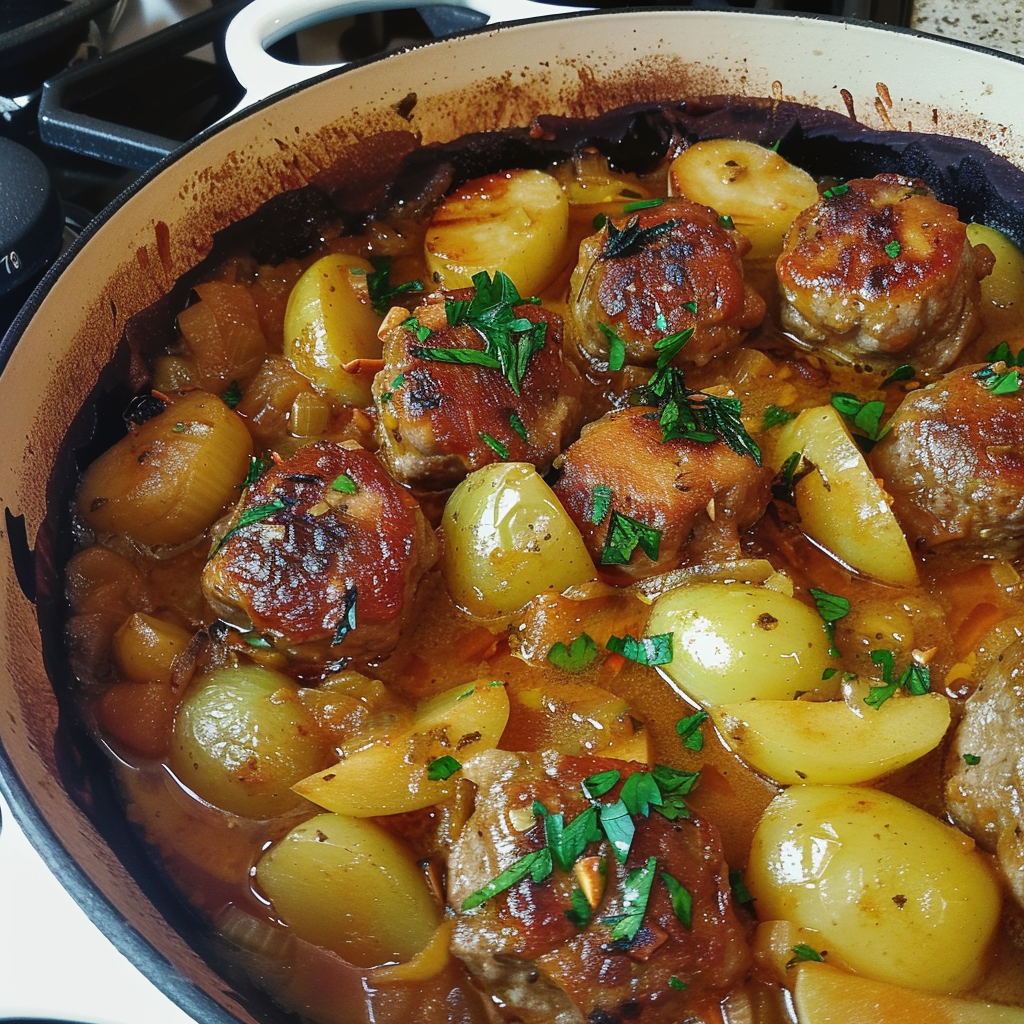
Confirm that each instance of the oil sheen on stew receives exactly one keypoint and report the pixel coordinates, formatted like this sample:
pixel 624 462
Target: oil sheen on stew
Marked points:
pixel 580 584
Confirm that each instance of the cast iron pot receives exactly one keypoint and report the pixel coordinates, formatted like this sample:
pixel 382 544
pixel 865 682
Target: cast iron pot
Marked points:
pixel 68 337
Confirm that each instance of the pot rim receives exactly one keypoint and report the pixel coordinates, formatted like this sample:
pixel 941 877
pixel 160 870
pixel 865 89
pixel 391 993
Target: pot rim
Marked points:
pixel 96 904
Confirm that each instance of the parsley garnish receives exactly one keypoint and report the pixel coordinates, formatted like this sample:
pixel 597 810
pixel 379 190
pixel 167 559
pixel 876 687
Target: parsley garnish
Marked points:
pixel 347 620
pixel 831 607
pixel 682 900
pixel 631 238
pixel 257 640
pixel 999 382
pixel 904 372
pixel 518 426
pixel 597 785
pixel 726 222
pixel 616 347
pixel 689 730
pixel 344 484
pixel 677 983
pixel 253 515
pixel 576 657
pixel 579 914
pixel 915 679
pixel 379 286
pixel 639 792
pixel 802 953
pixel 536 865
pixel 567 842
pixel 509 340
pixel 865 416
pixel 835 190
pixel 1002 354
pixel 648 650
pixel 442 768
pixel 740 892
pixel 618 828
pixel 257 467
pixel 774 416
pixel 794 468
pixel 642 204
pixel 232 394
pixel 602 495
pixel 893 248
pixel 624 536
pixel 635 894
pixel 494 444
pixel 972 759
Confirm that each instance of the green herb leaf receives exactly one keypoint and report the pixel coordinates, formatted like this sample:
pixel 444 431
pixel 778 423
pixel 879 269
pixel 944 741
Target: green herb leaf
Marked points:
pixel 580 913
pixel 518 426
pixel 494 444
pixel 618 827
pixel 380 288
pixel 624 536
pixel 344 484
pixel 674 780
pixel 901 373
pixel 631 238
pixel 602 495
pixel 682 901
pixel 442 768
pixel 835 191
pixel 636 892
pixel 536 865
pixel 726 222
pixel 740 892
pixel 648 650
pixel 567 842
pixel 775 416
pixel 893 248
pixel 576 657
pixel 232 394
pixel 642 204
pixel 616 347
pixel 972 759
pixel 347 621
pixel 802 953
pixel 257 640
pixel 677 983
pixel 597 785
pixel 1005 382
pixel 831 607
pixel 865 416
pixel 1002 354
pixel 639 792
pixel 254 514
pixel 689 730
pixel 257 467
pixel 465 356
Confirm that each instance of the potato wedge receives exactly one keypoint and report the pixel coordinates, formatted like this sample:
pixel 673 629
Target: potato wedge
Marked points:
pixel 827 742
pixel 759 190
pixel 392 775
pixel 516 222
pixel 827 995
pixel 841 504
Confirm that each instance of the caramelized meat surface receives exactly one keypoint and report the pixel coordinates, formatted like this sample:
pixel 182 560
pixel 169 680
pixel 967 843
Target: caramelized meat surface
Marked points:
pixel 543 967
pixel 697 497
pixel 953 460
pixel 325 549
pixel 660 271
pixel 439 420
pixel 985 793
pixel 879 271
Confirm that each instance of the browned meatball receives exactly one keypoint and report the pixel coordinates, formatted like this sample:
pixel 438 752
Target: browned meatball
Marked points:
pixel 696 497
pixel 325 549
pixel 660 271
pixel 438 421
pixel 952 459
pixel 878 271
pixel 546 967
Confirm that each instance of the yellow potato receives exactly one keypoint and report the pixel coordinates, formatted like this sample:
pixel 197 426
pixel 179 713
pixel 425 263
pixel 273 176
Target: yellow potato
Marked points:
pixel 1002 292
pixel 826 995
pixel 899 896
pixel 841 504
pixel 516 222
pixel 329 324
pixel 350 886
pixel 507 539
pixel 828 742
pixel 738 641
pixel 752 184
pixel 172 476
pixel 392 775
pixel 145 647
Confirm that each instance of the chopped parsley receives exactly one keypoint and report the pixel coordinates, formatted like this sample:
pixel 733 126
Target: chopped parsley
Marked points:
pixel 1002 354
pixel 831 608
pixel 915 679
pixel 597 785
pixel 802 953
pixel 648 650
pixel 616 347
pixel 602 495
pixel 254 514
pixel 344 484
pixel 257 467
pixel 639 792
pixel 775 416
pixel 257 641
pixel 510 341
pixel 740 892
pixel 631 238
pixel 642 204
pixel 494 444
pixel 380 288
pixel 347 619
pixel 575 657
pixel 865 416
pixel 999 382
pixel 972 759
pixel 788 476
pixel 726 222
pixel 624 536
pixel 635 895
pixel 677 983
pixel 232 394
pixel 518 426
pixel 682 900
pixel 901 373
pixel 442 768
pixel 618 828
pixel 893 248
pixel 579 913
pixel 536 865
pixel 835 191
pixel 689 730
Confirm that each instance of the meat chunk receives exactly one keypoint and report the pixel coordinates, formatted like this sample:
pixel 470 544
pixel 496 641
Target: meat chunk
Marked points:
pixel 657 272
pixel 325 549
pixel 953 460
pixel 544 966
pixel 440 416
pixel 985 793
pixel 878 271
pixel 696 497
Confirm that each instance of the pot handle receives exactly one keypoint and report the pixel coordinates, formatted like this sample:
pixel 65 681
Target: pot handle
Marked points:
pixel 263 22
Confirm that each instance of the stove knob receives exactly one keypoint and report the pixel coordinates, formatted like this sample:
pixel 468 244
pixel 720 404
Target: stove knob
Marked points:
pixel 31 226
